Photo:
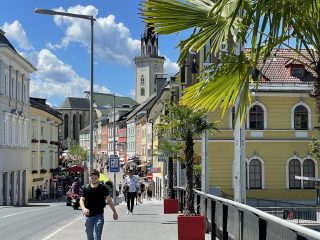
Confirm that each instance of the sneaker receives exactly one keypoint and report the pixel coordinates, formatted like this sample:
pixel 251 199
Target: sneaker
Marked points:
pixel 131 212
pixel 128 212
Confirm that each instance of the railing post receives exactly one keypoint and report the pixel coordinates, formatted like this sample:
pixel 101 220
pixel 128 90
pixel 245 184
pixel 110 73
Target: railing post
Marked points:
pixel 262 229
pixel 213 223
pixel 225 223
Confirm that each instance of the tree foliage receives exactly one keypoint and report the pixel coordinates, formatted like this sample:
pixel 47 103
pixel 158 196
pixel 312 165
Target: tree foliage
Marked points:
pixel 78 153
pixel 184 124
pixel 262 25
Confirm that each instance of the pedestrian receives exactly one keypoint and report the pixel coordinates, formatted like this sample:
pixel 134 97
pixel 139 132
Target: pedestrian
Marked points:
pixel 132 183
pixel 92 203
pixel 38 193
pixel 142 190
pixel 149 192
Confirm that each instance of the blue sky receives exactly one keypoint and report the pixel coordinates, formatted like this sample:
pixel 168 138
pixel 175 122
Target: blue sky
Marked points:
pixel 59 47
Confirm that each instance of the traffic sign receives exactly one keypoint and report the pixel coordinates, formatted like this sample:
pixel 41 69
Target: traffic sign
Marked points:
pixel 150 176
pixel 114 164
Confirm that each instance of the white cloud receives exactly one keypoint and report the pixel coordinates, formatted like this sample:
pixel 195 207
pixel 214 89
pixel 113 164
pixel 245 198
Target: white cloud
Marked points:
pixel 112 40
pixel 55 78
pixel 171 68
pixel 132 93
pixel 16 33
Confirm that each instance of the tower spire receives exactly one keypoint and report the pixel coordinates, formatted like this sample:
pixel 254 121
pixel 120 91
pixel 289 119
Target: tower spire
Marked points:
pixel 149 42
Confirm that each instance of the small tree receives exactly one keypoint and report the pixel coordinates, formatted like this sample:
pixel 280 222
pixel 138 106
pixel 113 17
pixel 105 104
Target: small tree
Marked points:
pixel 184 124
pixel 314 148
pixel 172 150
pixel 78 153
pixel 197 175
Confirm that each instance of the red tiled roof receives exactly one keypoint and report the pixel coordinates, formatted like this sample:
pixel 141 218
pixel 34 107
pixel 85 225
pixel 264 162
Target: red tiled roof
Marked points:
pixel 277 68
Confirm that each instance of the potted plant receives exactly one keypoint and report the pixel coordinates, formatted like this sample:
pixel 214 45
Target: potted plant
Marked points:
pixel 43 171
pixel 34 171
pixel 34 140
pixel 185 124
pixel 172 150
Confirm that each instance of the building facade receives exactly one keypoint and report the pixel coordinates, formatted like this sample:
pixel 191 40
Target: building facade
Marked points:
pixel 15 74
pixel 75 115
pixel 280 123
pixel 44 151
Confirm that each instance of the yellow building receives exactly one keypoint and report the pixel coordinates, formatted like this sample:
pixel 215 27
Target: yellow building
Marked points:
pixel 280 123
pixel 44 148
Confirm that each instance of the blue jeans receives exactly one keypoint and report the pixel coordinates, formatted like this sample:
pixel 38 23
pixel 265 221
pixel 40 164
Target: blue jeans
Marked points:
pixel 94 226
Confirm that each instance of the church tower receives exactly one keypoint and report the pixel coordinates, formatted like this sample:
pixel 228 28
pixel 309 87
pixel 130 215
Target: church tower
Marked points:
pixel 148 65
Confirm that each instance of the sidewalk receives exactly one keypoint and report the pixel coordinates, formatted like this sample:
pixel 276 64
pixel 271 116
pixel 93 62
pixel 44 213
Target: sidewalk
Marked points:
pixel 148 222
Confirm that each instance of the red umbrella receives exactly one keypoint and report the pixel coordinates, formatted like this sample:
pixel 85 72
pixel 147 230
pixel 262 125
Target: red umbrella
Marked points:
pixel 76 168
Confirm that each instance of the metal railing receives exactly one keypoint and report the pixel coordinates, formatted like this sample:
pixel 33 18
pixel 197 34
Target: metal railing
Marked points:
pixel 229 220
pixel 298 215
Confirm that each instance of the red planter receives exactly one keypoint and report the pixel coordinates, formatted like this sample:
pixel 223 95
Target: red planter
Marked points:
pixel 191 227
pixel 170 206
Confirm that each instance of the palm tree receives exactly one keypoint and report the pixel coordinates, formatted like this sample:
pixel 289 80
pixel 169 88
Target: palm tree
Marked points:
pixel 172 150
pixel 264 25
pixel 184 124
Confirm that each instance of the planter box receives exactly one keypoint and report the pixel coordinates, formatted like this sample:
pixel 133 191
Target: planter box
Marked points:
pixel 170 206
pixel 191 227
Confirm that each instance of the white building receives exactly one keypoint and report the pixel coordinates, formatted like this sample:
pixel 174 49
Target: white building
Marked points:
pixel 14 119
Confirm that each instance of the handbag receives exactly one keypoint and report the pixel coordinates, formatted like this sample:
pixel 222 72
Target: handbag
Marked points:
pixel 125 188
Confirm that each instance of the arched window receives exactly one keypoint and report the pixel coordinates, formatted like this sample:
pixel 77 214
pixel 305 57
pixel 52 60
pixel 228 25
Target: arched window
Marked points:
pixel 255 174
pixel 66 126
pixel 80 122
pixel 75 127
pixel 142 80
pixel 142 92
pixel 256 118
pixel 301 118
pixel 294 170
pixel 308 171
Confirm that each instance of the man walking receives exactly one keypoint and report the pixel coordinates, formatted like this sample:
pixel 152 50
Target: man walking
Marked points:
pixel 92 203
pixel 131 182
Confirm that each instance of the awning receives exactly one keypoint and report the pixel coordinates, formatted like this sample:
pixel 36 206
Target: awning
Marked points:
pixel 76 168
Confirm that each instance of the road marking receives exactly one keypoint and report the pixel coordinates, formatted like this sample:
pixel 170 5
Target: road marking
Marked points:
pixel 60 229
pixel 10 215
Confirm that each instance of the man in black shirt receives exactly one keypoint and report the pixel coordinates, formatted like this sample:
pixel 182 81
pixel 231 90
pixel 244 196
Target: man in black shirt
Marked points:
pixel 92 203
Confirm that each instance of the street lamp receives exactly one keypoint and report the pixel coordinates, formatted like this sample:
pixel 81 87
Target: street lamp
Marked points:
pixel 91 19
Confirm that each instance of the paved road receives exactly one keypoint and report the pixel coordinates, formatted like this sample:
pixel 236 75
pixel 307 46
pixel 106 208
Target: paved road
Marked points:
pixel 55 221
pixel 35 221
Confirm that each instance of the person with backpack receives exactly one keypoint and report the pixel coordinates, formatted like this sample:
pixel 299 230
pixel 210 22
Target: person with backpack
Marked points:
pixel 92 203
pixel 131 182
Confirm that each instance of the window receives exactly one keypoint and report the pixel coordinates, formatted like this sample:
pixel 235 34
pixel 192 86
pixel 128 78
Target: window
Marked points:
pixel 80 122
pixel 308 171
pixel 65 125
pixel 294 170
pixel 142 80
pixel 255 174
pixel 256 118
pixel 142 92
pixel 300 118
pixel 75 127
pixel 297 72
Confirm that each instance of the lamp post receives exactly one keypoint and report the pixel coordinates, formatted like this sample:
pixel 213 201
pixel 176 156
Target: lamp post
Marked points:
pixel 114 190
pixel 114 148
pixel 91 19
